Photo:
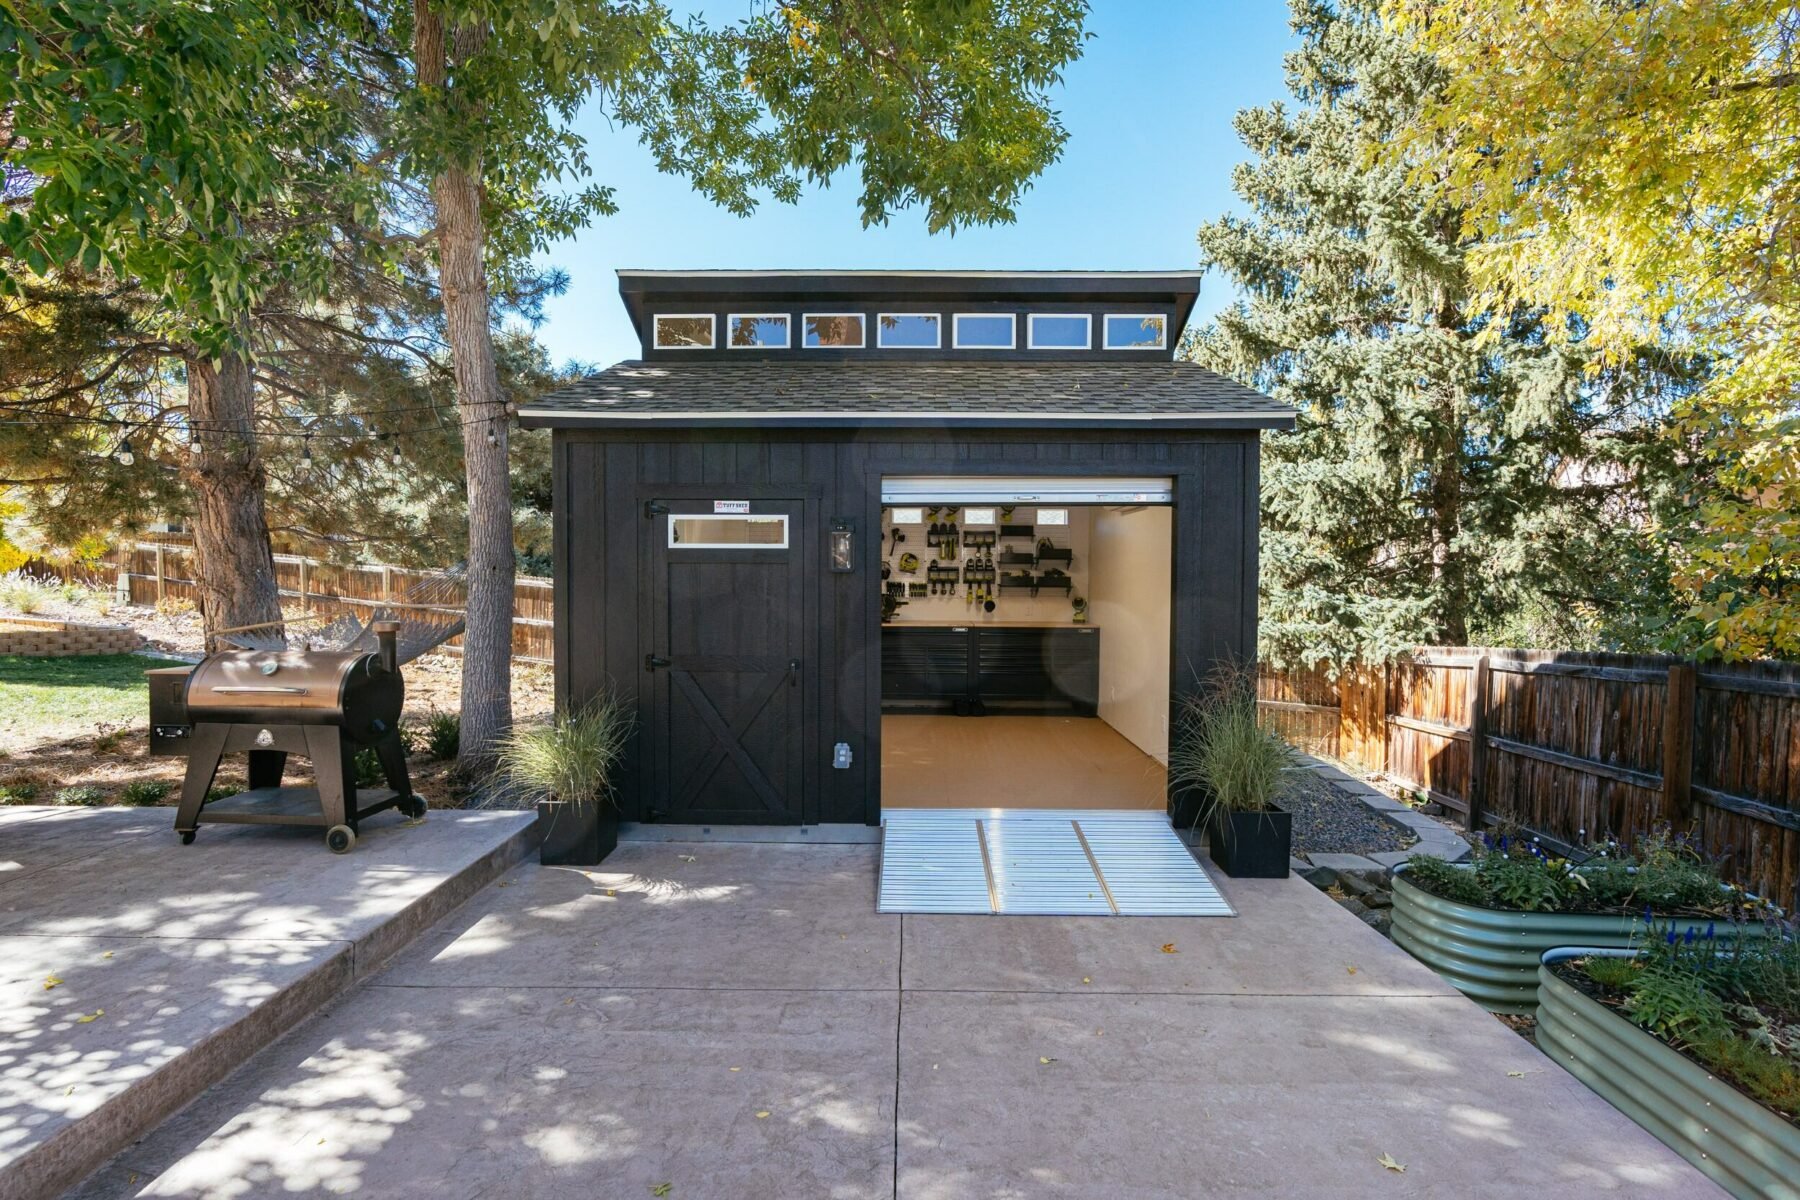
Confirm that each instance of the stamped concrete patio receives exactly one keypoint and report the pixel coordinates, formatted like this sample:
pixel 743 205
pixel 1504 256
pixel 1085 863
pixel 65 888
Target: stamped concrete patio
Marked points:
pixel 135 971
pixel 735 1020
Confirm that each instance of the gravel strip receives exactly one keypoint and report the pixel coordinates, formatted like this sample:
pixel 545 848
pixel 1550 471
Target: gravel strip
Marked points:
pixel 1327 821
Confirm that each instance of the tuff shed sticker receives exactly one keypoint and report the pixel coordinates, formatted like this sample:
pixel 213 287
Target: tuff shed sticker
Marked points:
pixel 731 506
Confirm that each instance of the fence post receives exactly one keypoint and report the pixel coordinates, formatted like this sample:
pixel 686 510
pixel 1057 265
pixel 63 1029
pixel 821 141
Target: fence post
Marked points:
pixel 1383 681
pixel 160 573
pixel 1678 745
pixel 303 566
pixel 1476 792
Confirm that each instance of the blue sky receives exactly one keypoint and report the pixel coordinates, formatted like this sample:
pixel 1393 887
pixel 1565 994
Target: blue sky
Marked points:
pixel 1149 156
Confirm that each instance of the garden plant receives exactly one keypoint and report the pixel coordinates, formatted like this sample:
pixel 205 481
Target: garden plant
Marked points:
pixel 1731 1004
pixel 1661 872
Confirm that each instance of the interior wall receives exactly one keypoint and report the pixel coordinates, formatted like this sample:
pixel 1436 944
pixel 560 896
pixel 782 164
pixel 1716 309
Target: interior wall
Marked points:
pixel 1129 590
pixel 1012 604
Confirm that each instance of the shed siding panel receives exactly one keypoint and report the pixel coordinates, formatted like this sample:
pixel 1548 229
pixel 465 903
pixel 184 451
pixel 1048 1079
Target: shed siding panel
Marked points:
pixel 605 477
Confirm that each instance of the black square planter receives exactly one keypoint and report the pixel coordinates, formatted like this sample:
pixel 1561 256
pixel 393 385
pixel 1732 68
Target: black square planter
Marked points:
pixel 1185 811
pixel 1252 845
pixel 576 835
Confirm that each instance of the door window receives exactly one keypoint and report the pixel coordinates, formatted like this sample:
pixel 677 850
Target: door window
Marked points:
pixel 711 532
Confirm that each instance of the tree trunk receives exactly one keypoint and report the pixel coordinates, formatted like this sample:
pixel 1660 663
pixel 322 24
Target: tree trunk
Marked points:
pixel 462 277
pixel 231 537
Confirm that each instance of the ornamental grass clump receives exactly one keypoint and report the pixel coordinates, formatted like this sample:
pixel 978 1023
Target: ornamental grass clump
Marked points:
pixel 570 759
pixel 1221 750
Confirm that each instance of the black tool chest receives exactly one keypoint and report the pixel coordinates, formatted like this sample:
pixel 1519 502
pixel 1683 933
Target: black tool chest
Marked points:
pixel 976 669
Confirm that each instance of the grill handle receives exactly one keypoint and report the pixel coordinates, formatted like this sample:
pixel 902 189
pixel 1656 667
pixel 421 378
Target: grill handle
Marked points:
pixel 265 690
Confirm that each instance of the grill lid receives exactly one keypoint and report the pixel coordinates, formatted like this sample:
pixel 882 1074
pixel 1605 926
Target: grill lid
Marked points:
pixel 272 679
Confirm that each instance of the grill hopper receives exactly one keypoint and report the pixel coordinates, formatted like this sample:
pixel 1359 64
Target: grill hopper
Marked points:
pixel 324 705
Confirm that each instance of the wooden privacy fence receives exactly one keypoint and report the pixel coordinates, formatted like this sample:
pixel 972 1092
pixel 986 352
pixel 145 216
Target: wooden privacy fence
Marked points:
pixel 1575 745
pixel 157 571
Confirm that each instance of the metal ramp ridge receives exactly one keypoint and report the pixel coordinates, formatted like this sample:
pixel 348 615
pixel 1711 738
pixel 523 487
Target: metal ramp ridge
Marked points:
pixel 1044 862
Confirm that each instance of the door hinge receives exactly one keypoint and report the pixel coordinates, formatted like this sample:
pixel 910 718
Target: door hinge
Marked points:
pixel 653 661
pixel 654 509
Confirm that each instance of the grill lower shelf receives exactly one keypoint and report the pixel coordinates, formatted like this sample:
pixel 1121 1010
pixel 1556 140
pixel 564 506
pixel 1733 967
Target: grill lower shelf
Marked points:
pixel 287 806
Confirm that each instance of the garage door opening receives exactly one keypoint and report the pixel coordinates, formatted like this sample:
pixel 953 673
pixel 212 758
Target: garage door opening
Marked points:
pixel 1025 650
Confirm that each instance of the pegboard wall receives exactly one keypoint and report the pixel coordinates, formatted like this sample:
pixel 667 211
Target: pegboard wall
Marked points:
pixel 960 601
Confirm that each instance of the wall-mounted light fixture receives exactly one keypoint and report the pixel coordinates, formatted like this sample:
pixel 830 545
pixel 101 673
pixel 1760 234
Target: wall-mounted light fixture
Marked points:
pixel 842 546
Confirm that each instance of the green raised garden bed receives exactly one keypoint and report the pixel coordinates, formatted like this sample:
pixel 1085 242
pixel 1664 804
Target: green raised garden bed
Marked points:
pixel 1491 955
pixel 1739 1144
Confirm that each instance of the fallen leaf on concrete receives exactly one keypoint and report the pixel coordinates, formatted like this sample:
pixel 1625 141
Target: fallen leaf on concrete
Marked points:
pixel 50 981
pixel 687 858
pixel 570 1000
pixel 763 1113
pixel 1046 1061
pixel 660 1189
pixel 1086 979
pixel 1387 1160
pixel 108 954
pixel 736 1068
pixel 70 1091
pixel 321 1141
pixel 1515 1074
pixel 610 892
pixel 1352 970
pixel 93 1016
pixel 1169 948
pixel 504 883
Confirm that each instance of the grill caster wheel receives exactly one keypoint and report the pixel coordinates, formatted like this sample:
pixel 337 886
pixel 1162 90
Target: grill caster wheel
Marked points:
pixel 187 839
pixel 413 808
pixel 340 838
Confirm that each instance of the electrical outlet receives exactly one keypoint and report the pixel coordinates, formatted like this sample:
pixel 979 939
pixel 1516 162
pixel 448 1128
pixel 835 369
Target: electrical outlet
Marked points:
pixel 840 756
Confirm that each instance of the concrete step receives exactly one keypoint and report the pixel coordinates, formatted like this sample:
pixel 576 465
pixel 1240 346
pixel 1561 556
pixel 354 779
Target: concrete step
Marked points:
pixel 135 972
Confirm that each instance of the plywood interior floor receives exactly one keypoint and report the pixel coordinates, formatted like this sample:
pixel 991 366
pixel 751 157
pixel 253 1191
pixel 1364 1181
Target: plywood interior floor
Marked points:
pixel 1014 762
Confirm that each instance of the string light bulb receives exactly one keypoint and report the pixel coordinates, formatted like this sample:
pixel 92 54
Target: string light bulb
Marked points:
pixel 193 441
pixel 125 457
pixel 306 454
pixel 493 438
pixel 394 456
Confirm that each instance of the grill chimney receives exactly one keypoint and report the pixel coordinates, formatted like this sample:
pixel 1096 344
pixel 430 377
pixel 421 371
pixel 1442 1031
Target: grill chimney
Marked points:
pixel 387 634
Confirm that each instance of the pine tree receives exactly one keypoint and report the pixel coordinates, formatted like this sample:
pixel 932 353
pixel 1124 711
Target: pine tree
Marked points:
pixel 1451 479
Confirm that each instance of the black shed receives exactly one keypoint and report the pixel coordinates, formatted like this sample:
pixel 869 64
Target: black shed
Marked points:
pixel 744 514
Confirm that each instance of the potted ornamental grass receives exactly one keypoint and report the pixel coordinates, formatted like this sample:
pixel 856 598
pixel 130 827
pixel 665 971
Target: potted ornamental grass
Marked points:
pixel 1228 771
pixel 1483 926
pixel 567 766
pixel 1696 1037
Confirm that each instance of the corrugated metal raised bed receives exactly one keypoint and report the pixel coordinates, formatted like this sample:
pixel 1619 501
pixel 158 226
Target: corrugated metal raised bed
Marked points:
pixel 1491 955
pixel 1739 1144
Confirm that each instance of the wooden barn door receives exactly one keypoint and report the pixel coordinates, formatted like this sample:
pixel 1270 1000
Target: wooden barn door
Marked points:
pixel 728 669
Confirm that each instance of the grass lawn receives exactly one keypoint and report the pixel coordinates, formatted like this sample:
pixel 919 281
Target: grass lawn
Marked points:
pixel 48 699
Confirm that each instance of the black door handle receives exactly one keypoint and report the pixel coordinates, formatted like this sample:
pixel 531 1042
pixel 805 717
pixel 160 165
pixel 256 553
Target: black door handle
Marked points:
pixel 653 661
pixel 793 672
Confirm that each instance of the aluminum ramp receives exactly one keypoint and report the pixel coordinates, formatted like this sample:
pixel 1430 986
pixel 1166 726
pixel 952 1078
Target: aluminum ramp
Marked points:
pixel 1046 862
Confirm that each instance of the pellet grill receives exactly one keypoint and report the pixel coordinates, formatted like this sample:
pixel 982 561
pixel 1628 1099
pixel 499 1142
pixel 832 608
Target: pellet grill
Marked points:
pixel 270 699
pixel 323 705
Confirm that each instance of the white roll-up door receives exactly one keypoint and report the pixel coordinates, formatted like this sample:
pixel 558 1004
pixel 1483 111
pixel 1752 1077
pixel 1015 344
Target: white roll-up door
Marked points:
pixel 1024 489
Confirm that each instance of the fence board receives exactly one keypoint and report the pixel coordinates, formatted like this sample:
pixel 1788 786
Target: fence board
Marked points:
pixel 324 588
pixel 1581 745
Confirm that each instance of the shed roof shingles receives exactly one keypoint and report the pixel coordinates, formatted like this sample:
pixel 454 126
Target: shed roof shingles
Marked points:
pixel 883 391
